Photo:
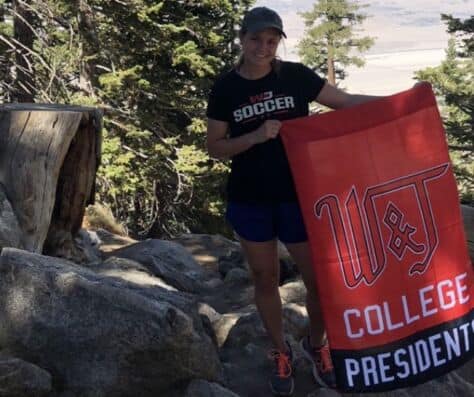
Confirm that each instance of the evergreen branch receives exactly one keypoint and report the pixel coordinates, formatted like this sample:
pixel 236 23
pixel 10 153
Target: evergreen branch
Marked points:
pixel 136 152
pixel 462 148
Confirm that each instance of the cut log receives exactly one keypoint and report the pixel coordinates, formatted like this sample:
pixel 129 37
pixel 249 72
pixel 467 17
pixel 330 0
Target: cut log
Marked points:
pixel 468 217
pixel 49 155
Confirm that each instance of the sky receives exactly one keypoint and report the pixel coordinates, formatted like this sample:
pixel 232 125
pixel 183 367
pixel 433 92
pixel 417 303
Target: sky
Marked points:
pixel 409 36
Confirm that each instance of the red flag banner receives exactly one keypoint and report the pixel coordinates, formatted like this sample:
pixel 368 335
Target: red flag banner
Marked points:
pixel 381 208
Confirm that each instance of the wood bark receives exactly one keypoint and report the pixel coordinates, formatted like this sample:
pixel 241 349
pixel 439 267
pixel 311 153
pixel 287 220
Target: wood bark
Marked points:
pixel 22 28
pixel 331 71
pixel 89 48
pixel 49 155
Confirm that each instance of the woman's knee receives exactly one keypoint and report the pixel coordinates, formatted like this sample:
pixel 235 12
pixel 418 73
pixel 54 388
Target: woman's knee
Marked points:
pixel 263 263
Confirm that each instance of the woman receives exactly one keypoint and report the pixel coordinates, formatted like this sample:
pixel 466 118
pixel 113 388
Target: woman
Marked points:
pixel 245 110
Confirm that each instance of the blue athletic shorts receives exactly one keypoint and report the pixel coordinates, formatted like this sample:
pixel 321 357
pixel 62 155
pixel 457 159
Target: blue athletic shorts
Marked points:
pixel 264 222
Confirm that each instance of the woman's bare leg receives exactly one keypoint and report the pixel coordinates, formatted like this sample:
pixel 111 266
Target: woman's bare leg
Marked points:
pixel 262 258
pixel 301 254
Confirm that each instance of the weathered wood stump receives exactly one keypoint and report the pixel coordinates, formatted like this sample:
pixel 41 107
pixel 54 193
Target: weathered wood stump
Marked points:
pixel 49 156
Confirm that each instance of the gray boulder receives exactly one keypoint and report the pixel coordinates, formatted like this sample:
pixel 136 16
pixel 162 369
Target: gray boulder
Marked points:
pixel 88 242
pixel 247 329
pixel 208 249
pixel 202 388
pixel 97 335
pixel 293 292
pixel 128 270
pixel 169 261
pixel 237 276
pixel 232 260
pixel 223 325
pixel 19 378
pixel 10 232
pixel 295 320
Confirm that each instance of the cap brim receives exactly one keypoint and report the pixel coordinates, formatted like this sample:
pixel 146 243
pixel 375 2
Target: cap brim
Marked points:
pixel 262 26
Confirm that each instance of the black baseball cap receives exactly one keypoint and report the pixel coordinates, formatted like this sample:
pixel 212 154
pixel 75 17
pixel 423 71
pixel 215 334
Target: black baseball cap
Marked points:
pixel 260 18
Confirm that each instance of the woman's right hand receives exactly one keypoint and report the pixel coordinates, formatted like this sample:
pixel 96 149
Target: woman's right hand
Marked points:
pixel 268 130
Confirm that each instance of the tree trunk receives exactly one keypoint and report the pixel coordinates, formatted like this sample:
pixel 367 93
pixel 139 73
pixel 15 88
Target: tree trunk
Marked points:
pixel 49 155
pixel 331 68
pixel 22 26
pixel 90 47
pixel 5 76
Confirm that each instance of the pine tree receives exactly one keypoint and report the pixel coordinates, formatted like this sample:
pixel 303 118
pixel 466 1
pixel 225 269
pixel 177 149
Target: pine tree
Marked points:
pixel 17 27
pixel 6 52
pixel 330 37
pixel 149 64
pixel 452 83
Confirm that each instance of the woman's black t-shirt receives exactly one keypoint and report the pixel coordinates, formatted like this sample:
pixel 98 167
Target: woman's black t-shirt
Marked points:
pixel 262 174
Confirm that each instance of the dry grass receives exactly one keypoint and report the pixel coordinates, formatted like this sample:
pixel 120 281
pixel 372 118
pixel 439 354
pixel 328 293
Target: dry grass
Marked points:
pixel 99 216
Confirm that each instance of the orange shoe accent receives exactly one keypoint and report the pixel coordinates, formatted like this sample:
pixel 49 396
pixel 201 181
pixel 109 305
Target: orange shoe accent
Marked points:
pixel 325 362
pixel 283 363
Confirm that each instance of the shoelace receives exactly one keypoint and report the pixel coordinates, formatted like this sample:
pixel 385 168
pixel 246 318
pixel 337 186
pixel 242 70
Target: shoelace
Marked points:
pixel 282 361
pixel 325 361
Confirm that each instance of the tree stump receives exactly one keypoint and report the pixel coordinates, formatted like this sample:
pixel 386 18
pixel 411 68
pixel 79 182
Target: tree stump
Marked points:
pixel 49 156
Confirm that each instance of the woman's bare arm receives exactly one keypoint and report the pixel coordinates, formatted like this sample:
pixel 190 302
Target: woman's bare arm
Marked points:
pixel 220 146
pixel 335 98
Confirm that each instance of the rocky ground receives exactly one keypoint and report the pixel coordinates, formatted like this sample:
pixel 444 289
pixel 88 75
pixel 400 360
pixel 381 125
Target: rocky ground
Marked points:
pixel 152 318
